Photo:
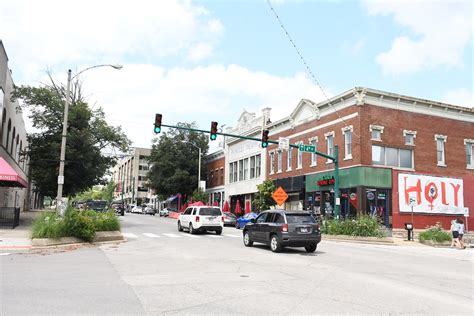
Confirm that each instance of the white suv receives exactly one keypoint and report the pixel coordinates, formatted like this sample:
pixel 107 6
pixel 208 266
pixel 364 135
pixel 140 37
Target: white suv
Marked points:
pixel 201 218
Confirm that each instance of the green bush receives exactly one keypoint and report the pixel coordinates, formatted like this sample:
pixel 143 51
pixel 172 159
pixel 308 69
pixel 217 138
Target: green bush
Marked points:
pixel 49 225
pixel 435 233
pixel 106 222
pixel 363 226
pixel 79 225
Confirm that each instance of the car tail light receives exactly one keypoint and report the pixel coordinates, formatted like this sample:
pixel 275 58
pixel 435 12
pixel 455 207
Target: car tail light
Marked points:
pixel 284 228
pixel 223 217
pixel 317 226
pixel 197 218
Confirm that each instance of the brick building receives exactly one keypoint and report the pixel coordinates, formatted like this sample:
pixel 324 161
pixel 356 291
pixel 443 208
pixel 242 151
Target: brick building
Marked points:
pixel 215 178
pixel 392 149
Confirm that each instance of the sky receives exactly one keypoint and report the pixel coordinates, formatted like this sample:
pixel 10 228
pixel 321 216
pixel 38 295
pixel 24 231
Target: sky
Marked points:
pixel 206 61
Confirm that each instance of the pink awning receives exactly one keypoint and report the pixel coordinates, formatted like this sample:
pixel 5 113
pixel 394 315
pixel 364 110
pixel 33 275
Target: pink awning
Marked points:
pixel 9 177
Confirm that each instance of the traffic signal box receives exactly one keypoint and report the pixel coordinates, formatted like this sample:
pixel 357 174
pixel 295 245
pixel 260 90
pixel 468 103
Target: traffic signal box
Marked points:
pixel 213 135
pixel 265 138
pixel 157 129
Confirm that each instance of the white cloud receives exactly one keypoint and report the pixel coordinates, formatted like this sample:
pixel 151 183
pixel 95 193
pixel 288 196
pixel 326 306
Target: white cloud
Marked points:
pixel 133 95
pixel 49 33
pixel 441 30
pixel 357 46
pixel 461 97
pixel 199 52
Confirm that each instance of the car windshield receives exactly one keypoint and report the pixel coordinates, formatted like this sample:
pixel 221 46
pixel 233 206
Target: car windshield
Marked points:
pixel 210 211
pixel 299 218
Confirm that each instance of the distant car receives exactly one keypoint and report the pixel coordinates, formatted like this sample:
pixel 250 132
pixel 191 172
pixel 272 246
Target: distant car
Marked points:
pixel 97 205
pixel 229 219
pixel 149 210
pixel 243 220
pixel 201 218
pixel 130 207
pixel 137 209
pixel 118 208
pixel 164 212
pixel 281 228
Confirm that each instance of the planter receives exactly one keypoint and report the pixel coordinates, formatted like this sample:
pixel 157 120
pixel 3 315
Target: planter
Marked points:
pixel 101 236
pixel 444 244
pixel 371 240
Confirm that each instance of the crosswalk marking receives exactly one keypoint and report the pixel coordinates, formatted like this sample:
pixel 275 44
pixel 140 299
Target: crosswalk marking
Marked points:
pixel 129 235
pixel 191 236
pixel 151 235
pixel 214 236
pixel 171 235
pixel 235 236
pixel 5 254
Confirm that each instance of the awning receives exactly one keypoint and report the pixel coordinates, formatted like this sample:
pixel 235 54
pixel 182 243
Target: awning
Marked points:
pixel 171 198
pixel 9 177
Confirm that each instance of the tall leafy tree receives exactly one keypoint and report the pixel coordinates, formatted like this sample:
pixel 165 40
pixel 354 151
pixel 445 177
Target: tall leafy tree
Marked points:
pixel 88 136
pixel 263 198
pixel 174 161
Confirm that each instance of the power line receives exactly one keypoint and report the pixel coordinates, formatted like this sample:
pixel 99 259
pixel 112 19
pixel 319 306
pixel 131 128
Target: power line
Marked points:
pixel 303 60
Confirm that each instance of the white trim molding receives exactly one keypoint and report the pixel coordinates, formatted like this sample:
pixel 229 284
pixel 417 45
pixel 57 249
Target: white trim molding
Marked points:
pixel 332 133
pixel 412 133
pixel 347 128
pixel 439 137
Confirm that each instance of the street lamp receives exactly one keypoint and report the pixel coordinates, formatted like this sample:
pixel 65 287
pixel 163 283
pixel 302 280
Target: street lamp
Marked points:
pixel 199 167
pixel 63 140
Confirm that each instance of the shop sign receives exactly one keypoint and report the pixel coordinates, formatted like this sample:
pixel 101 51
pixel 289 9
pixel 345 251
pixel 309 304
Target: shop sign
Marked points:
pixel 370 195
pixel 381 196
pixel 279 196
pixel 326 181
pixel 435 195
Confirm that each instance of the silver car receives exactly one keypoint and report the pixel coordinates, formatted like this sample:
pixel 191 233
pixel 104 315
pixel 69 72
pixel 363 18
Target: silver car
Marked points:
pixel 229 219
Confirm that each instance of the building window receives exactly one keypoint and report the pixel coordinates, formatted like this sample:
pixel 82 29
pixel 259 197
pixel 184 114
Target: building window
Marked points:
pixel 469 153
pixel 393 157
pixel 235 171
pixel 314 157
pixel 440 154
pixel 216 176
pixel 409 137
pixel 231 172
pixel 376 132
pixel 347 133
pixel 330 145
pixel 279 160
pixel 257 166
pixel 246 168
pixel 222 176
pixel 299 159
pixel 252 167
pixel 272 163
pixel 289 158
pixel 241 170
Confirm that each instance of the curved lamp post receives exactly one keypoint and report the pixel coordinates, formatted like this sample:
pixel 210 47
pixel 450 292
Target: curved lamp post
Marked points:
pixel 63 140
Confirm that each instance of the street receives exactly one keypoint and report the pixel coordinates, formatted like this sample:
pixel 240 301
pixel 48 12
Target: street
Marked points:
pixel 163 271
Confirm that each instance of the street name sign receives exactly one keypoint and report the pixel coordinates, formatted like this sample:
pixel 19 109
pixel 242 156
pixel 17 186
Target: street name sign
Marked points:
pixel 284 143
pixel 307 148
pixel 279 196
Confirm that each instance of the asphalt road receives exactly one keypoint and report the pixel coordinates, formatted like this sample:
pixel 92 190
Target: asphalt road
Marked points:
pixel 163 271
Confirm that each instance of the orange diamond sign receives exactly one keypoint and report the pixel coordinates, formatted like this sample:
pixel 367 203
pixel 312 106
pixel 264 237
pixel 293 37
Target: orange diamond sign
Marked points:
pixel 279 196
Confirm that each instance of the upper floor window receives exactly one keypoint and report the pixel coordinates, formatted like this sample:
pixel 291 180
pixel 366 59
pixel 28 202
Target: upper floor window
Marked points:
pixel 222 176
pixel 330 144
pixel 235 171
pixel 376 132
pixel 347 133
pixel 469 153
pixel 257 166
pixel 272 163
pixel 241 170
pixel 409 137
pixel 314 157
pixel 289 159
pixel 279 157
pixel 231 172
pixel 252 167
pixel 440 153
pixel 393 157
pixel 299 162
pixel 246 168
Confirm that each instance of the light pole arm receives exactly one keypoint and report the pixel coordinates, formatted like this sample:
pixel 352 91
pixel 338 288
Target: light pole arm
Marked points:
pixel 97 66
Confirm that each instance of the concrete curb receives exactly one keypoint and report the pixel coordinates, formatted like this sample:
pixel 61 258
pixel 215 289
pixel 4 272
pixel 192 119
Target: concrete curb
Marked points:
pixel 446 244
pixel 100 237
pixel 356 239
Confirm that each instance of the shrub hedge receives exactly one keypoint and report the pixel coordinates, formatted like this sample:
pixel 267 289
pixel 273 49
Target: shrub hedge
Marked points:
pixel 436 234
pixel 75 223
pixel 363 226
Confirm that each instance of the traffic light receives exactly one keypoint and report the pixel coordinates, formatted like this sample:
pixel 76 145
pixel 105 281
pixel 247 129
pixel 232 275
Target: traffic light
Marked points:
pixel 265 138
pixel 213 135
pixel 157 123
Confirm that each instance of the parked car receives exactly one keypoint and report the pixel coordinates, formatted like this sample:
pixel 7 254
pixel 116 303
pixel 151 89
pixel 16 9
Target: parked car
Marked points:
pixel 119 208
pixel 97 205
pixel 201 218
pixel 164 212
pixel 150 210
pixel 130 207
pixel 229 219
pixel 281 228
pixel 243 220
pixel 137 209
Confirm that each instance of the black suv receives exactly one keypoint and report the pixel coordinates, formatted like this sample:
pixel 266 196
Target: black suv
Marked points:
pixel 280 228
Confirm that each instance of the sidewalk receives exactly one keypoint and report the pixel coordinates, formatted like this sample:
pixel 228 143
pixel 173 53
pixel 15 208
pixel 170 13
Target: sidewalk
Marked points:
pixel 18 238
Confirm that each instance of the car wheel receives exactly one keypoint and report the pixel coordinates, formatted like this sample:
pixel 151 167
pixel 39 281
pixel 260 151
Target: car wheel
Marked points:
pixel 310 248
pixel 237 226
pixel 191 229
pixel 180 228
pixel 218 232
pixel 247 241
pixel 275 245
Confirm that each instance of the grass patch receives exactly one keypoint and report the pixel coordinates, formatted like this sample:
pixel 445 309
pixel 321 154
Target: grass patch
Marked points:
pixel 362 226
pixel 436 234
pixel 49 225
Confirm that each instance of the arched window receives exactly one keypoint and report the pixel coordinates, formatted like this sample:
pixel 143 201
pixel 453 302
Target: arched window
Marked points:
pixel 9 128
pixel 17 153
pixel 20 159
pixel 13 141
pixel 2 126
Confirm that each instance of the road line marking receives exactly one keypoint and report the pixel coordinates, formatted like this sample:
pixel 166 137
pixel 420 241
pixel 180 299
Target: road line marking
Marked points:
pixel 214 236
pixel 191 236
pixel 171 235
pixel 151 235
pixel 235 236
pixel 129 235
pixel 5 254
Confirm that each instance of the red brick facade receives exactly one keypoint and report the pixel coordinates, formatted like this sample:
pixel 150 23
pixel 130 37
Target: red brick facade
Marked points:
pixel 215 173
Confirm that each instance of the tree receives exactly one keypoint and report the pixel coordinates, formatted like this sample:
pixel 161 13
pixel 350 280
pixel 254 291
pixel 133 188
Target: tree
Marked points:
pixel 199 195
pixel 98 193
pixel 88 135
pixel 263 198
pixel 174 161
